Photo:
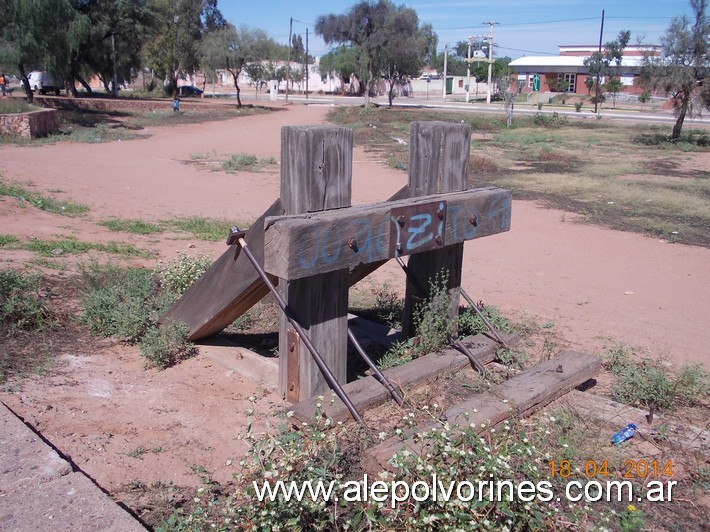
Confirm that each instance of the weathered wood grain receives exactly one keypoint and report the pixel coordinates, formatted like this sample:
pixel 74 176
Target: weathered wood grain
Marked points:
pixel 438 163
pixel 518 397
pixel 229 288
pixel 359 272
pixel 315 243
pixel 368 392
pixel 316 174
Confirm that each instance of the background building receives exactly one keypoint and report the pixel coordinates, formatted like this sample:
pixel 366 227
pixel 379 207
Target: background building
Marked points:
pixel 566 72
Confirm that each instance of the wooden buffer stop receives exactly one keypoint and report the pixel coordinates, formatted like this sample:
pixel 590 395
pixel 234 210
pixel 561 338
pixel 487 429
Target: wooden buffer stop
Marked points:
pixel 313 245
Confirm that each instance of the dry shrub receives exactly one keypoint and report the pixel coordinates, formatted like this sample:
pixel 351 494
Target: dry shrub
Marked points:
pixel 482 164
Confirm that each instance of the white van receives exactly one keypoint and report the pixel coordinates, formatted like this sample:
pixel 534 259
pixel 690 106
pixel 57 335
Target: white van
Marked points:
pixel 43 82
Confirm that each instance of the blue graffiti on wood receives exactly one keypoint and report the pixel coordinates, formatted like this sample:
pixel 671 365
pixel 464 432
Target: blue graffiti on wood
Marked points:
pixel 370 239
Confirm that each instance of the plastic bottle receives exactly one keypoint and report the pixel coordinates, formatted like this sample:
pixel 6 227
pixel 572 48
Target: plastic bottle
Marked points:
pixel 624 434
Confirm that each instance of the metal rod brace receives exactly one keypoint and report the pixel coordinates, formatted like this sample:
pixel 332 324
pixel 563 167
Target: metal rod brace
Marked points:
pixel 237 236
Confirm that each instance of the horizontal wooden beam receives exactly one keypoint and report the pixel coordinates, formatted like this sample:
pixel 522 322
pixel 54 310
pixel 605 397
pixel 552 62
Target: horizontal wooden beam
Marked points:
pixel 518 397
pixel 367 392
pixel 315 243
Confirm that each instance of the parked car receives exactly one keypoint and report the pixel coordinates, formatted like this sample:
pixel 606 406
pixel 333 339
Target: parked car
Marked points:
pixel 189 90
pixel 43 82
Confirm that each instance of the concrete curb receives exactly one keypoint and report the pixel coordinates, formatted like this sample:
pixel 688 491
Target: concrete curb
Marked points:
pixel 39 490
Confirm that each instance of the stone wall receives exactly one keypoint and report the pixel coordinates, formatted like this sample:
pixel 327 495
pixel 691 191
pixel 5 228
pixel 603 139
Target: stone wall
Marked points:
pixel 30 125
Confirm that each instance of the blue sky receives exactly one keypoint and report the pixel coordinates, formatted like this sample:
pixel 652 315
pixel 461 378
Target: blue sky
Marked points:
pixel 526 27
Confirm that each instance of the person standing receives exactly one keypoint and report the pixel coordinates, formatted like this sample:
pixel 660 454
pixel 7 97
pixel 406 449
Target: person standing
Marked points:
pixel 3 83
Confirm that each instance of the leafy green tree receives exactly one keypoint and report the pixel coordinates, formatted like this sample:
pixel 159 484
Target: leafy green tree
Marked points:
pixel 363 26
pixel 117 31
pixel 606 63
pixel 682 70
pixel 298 51
pixel 343 62
pixel 38 34
pixel 406 50
pixel 258 73
pixel 233 50
pixel 384 34
pixel 297 76
pixel 614 86
pixel 175 51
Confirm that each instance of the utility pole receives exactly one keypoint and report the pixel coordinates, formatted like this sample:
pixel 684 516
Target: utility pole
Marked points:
pixel 306 69
pixel 490 58
pixel 288 65
pixel 446 56
pixel 468 71
pixel 470 60
pixel 597 91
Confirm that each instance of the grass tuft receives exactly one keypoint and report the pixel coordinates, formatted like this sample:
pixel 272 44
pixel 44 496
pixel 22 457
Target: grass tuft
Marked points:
pixel 239 162
pixel 202 228
pixel 40 201
pixel 126 303
pixel 647 384
pixel 71 246
pixel 8 241
pixel 138 227
pixel 21 307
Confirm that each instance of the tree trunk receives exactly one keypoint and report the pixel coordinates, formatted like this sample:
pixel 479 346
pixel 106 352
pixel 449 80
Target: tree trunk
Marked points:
pixel 26 84
pixel 84 84
pixel 239 99
pixel 390 93
pixel 369 82
pixel 678 127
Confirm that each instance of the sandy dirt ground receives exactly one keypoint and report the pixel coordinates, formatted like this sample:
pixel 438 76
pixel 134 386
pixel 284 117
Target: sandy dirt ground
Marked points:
pixel 124 425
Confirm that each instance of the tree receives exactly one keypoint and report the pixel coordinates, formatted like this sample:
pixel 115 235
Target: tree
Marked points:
pixel 258 74
pixel 38 34
pixel 175 51
pixel 298 51
pixel 682 69
pixel 606 63
pixel 232 50
pixel 112 46
pixel 297 76
pixel 342 62
pixel 614 86
pixel 382 33
pixel 406 51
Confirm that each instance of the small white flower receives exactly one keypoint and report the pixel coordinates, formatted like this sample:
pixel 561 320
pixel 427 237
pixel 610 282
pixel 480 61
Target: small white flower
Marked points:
pixel 289 413
pixel 382 436
pixel 505 400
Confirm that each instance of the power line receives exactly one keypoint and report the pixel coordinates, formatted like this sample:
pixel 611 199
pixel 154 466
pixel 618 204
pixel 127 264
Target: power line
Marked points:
pixel 558 21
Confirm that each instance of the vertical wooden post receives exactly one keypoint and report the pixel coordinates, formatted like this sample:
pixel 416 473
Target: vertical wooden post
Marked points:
pixel 316 174
pixel 438 163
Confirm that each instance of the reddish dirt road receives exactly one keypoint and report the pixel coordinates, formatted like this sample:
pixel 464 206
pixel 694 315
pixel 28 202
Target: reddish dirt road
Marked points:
pixel 595 286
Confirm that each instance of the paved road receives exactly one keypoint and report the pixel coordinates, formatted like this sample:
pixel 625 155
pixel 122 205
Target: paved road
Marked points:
pixel 631 115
